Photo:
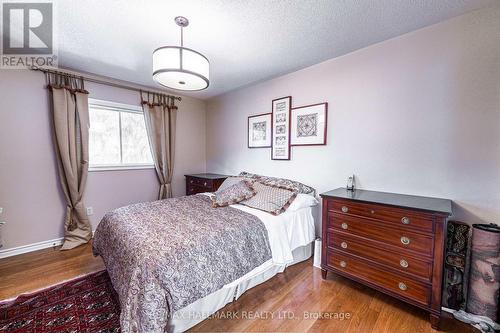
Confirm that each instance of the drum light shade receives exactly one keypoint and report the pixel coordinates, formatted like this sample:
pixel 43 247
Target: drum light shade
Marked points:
pixel 181 68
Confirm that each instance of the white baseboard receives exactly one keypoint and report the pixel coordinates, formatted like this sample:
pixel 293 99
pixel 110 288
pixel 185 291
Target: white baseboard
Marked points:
pixel 14 251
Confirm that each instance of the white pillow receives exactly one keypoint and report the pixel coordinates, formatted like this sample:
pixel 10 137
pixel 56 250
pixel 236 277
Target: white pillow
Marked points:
pixel 302 201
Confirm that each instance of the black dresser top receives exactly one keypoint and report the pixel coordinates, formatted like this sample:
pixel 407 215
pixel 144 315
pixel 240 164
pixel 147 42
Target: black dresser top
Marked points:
pixel 207 176
pixel 393 199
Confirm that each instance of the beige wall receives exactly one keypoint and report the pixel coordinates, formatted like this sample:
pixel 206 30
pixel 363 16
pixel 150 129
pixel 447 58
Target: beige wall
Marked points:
pixel 417 114
pixel 29 189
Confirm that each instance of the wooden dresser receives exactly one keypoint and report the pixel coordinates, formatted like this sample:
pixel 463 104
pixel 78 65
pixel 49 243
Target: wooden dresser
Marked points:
pixel 391 242
pixel 203 182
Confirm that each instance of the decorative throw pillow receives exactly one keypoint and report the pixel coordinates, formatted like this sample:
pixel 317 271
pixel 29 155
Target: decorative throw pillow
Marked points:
pixel 240 191
pixel 271 199
pixel 280 182
pixel 249 175
pixel 230 181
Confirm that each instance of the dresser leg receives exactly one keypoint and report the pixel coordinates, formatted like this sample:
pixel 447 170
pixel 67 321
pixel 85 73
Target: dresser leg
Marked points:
pixel 323 273
pixel 435 320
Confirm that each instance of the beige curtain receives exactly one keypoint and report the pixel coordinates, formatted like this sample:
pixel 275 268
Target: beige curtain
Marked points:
pixel 160 114
pixel 70 113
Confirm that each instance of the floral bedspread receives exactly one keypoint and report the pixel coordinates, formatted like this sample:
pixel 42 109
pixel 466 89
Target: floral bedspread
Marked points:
pixel 164 255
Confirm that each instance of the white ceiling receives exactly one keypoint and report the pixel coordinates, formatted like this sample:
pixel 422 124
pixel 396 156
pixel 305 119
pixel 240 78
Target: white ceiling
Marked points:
pixel 245 40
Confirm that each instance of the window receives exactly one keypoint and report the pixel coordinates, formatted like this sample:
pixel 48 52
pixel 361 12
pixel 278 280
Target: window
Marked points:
pixel 118 138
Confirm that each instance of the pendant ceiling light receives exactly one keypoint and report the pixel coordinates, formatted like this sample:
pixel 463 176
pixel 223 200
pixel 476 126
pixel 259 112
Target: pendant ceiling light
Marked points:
pixel 177 67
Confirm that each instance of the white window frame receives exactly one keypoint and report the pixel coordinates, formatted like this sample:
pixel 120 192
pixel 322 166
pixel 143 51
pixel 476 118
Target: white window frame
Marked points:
pixel 117 107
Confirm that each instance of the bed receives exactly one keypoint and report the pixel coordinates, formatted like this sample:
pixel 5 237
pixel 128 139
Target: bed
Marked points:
pixel 218 254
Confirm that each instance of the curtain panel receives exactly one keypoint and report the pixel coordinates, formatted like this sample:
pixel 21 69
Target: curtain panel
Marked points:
pixel 160 115
pixel 70 113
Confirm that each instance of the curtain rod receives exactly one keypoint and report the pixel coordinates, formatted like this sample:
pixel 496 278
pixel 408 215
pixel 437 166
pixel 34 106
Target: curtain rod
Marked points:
pixel 89 79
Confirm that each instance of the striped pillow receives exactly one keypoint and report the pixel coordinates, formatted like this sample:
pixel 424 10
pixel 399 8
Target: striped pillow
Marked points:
pixel 271 199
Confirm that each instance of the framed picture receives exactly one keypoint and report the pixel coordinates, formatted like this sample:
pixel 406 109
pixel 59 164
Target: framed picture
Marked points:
pixel 308 125
pixel 259 131
pixel 281 128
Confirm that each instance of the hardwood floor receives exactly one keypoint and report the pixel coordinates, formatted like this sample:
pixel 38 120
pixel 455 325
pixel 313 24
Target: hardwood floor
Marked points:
pixel 36 270
pixel 296 301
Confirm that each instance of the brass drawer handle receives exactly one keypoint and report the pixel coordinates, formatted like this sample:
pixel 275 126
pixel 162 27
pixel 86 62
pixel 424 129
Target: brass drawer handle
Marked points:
pixel 344 226
pixel 403 263
pixel 205 184
pixel 405 220
pixel 405 240
pixel 345 209
pixel 343 245
pixel 343 264
pixel 402 286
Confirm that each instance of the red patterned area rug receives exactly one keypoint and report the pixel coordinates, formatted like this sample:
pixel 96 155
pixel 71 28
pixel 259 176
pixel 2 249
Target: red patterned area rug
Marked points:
pixel 86 304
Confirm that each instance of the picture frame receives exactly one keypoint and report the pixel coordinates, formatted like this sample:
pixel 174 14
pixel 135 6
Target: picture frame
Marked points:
pixel 308 125
pixel 259 131
pixel 281 112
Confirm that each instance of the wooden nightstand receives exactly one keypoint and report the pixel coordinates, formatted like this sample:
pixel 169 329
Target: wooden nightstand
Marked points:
pixel 203 182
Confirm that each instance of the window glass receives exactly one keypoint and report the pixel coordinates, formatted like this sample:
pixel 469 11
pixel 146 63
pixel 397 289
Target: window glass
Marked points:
pixel 118 136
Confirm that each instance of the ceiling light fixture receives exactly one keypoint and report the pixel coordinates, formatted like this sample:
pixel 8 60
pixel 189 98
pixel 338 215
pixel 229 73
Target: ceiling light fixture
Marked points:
pixel 181 68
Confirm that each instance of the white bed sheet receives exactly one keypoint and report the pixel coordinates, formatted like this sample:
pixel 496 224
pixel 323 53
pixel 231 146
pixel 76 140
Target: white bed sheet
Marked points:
pixel 287 232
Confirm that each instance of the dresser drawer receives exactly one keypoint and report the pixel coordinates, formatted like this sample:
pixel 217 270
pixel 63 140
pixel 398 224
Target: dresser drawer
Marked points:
pixel 193 189
pixel 203 182
pixel 396 258
pixel 400 285
pixel 200 182
pixel 395 216
pixel 419 244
